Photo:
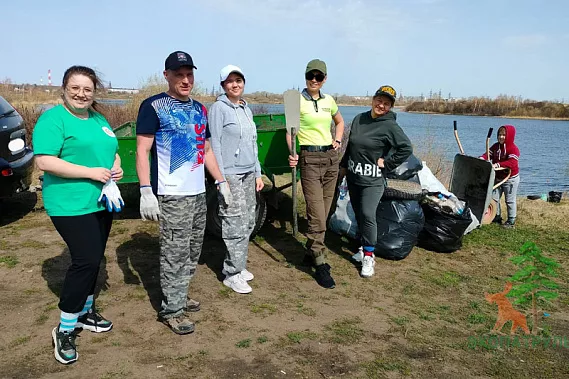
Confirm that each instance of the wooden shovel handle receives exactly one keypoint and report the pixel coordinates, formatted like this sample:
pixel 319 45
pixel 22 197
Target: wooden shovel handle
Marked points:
pixel 457 139
pixel 293 177
pixel 504 180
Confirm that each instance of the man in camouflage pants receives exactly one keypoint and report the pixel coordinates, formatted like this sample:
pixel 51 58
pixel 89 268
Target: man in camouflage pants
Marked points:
pixel 172 127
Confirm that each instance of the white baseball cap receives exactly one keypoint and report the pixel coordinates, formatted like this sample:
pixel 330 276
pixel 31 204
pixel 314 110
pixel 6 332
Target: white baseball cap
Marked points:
pixel 229 69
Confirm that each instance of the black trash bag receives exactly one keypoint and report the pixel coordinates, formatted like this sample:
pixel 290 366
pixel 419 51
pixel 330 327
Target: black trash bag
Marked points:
pixel 399 223
pixel 406 169
pixel 443 231
pixel 554 197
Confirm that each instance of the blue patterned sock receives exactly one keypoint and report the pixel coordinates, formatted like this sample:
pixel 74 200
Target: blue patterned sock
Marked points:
pixel 67 322
pixel 369 250
pixel 88 305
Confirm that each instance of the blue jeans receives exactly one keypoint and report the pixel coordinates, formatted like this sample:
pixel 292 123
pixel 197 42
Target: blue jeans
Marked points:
pixel 510 190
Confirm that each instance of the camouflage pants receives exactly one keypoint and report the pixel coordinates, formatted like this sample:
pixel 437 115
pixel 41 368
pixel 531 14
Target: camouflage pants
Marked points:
pixel 182 226
pixel 238 221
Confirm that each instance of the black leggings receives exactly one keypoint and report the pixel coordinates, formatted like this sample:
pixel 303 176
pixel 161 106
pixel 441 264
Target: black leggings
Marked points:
pixel 86 237
pixel 365 201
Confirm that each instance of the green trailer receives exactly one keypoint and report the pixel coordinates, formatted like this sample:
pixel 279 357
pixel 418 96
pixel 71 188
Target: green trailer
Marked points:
pixel 273 157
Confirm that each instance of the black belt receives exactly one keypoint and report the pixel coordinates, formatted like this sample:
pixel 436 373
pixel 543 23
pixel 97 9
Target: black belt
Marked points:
pixel 316 149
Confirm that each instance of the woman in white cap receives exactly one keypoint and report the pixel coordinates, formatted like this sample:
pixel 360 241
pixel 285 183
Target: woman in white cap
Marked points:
pixel 234 143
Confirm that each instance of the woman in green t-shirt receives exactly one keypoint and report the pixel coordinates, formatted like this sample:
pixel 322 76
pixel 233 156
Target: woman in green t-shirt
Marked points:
pixel 77 149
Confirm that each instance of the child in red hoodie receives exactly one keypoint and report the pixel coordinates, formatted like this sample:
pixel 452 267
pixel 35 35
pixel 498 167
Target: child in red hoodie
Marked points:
pixel 505 153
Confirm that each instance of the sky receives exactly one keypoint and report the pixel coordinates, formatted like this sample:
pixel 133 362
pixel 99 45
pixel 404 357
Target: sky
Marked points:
pixel 462 47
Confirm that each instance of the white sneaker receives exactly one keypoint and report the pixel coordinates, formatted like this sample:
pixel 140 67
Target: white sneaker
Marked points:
pixel 359 255
pixel 237 284
pixel 368 265
pixel 247 275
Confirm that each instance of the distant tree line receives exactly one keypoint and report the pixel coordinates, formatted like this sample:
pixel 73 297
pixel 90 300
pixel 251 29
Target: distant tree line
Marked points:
pixel 500 106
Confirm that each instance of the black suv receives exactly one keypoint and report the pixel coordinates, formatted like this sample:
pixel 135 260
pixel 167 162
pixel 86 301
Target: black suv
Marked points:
pixel 16 158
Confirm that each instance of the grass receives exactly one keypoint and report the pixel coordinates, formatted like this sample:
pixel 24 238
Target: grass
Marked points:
pixel 345 331
pixel 445 279
pixel 262 339
pixel 42 319
pixel 263 309
pixel 301 308
pixel 492 236
pixel 243 344
pixel 225 292
pixel 477 318
pixel 297 337
pixel 33 244
pixel 377 367
pixel 4 245
pixel 20 341
pixel 401 321
pixel 118 230
pixel 9 261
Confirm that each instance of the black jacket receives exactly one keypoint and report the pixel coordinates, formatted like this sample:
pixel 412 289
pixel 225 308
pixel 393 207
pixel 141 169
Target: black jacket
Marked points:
pixel 369 140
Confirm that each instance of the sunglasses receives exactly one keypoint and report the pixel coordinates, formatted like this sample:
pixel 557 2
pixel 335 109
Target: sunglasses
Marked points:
pixel 318 77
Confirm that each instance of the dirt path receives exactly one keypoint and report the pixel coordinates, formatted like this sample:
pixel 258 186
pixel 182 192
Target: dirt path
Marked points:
pixel 413 318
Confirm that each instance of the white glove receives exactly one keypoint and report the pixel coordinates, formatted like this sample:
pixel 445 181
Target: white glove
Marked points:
pixel 149 209
pixel 111 196
pixel 225 193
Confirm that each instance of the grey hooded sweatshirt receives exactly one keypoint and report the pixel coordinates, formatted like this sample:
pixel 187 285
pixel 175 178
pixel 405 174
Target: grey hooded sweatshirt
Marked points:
pixel 233 137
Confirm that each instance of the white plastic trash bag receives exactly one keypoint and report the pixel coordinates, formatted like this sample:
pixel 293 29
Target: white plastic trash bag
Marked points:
pixel 430 182
pixel 473 225
pixel 343 221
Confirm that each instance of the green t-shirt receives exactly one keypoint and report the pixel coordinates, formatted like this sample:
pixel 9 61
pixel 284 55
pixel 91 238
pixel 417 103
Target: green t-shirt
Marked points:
pixel 86 142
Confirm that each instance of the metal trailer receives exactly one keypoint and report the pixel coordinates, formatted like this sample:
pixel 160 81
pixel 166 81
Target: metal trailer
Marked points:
pixel 273 157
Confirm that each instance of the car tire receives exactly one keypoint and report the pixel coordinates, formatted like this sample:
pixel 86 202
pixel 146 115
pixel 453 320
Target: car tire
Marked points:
pixel 402 190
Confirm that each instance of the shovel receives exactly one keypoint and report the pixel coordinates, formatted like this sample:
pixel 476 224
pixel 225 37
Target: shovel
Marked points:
pixel 291 100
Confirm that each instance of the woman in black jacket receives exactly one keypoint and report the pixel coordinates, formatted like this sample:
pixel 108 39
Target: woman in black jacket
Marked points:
pixel 373 135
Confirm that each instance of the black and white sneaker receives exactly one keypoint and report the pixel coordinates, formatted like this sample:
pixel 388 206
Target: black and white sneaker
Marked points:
pixel 93 321
pixel 64 346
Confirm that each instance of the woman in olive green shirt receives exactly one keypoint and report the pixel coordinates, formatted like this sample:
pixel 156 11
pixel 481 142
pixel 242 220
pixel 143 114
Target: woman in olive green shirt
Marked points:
pixel 77 149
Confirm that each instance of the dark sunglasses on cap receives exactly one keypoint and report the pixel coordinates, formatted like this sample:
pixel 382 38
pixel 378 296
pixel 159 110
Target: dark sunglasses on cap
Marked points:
pixel 318 77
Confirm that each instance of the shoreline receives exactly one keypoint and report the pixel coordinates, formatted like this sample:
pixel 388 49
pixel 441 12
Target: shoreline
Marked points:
pixel 479 115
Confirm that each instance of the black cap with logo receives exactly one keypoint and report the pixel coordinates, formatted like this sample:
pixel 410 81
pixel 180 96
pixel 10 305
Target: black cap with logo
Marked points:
pixel 178 59
pixel 387 91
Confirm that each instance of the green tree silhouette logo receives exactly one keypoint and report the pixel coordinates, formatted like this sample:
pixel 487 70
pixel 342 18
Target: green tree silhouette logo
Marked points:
pixel 534 284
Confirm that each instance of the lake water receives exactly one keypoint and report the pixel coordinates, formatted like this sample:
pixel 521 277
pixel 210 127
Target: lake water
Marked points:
pixel 544 154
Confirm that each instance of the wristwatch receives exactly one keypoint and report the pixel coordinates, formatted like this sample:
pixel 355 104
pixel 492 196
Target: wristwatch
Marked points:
pixel 339 142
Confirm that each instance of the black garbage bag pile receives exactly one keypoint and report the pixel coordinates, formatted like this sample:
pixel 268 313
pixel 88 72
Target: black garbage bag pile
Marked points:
pixel 399 215
pixel 444 226
pixel 399 223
